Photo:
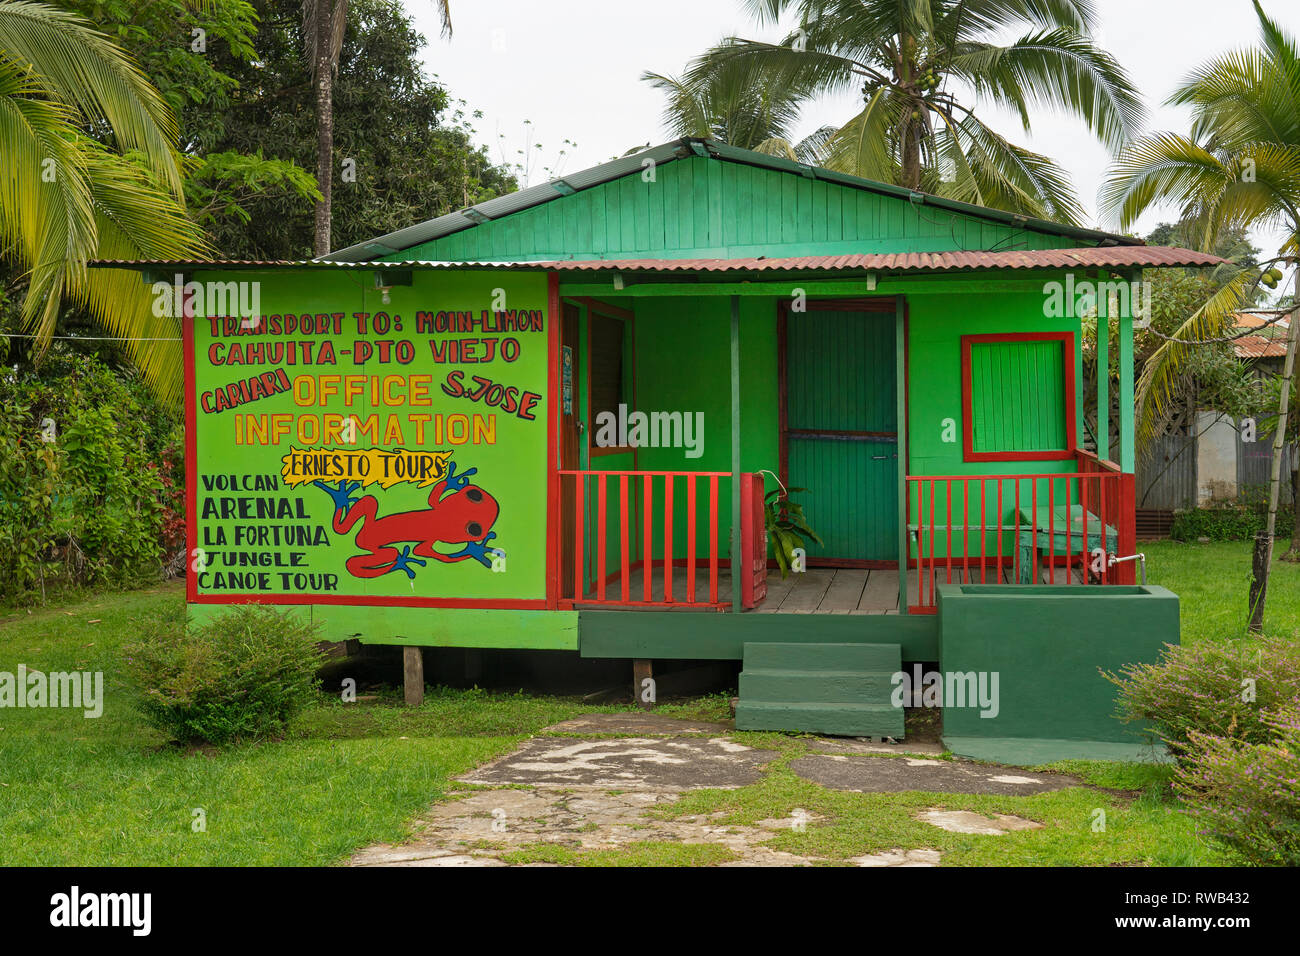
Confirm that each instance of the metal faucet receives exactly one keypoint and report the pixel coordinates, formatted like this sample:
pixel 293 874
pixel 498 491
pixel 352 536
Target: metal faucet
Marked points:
pixel 1115 559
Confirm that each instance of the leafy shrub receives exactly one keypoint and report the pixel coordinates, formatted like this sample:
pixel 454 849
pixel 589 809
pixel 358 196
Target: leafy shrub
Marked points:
pixel 1248 796
pixel 1212 689
pixel 244 674
pixel 82 498
pixel 1238 520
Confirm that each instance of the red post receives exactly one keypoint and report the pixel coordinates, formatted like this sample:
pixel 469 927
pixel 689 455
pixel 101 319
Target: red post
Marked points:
pixel 624 544
pixel 579 533
pixel 1051 531
pixel 602 543
pixel 948 531
pixel 1127 527
pixel 647 559
pixel 932 592
pixel 690 539
pixel 668 537
pixel 713 541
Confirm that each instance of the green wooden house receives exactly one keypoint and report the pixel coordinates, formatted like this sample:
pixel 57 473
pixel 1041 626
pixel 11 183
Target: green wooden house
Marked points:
pixel 549 421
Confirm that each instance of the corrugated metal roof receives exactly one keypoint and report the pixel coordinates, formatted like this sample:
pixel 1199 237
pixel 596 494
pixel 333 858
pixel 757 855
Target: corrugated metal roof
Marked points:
pixel 1088 257
pixel 151 264
pixel 1271 342
pixel 1257 347
pixel 1259 318
pixel 472 216
pixel 1117 257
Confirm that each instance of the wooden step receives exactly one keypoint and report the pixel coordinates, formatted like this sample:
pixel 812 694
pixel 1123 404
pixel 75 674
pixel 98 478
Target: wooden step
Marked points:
pixel 840 720
pixel 841 689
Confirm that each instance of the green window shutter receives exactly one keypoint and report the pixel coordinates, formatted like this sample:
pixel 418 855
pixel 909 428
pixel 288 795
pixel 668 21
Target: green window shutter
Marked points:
pixel 1018 396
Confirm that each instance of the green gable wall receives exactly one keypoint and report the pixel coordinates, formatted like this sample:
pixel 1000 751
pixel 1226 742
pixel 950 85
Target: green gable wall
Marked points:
pixel 708 208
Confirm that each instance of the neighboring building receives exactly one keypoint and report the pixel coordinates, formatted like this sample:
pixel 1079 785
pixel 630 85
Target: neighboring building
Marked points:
pixel 1209 458
pixel 435 438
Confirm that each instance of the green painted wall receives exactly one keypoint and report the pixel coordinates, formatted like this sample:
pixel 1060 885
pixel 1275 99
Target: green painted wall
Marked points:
pixel 936 324
pixel 683 364
pixel 708 208
pixel 706 636
pixel 442 627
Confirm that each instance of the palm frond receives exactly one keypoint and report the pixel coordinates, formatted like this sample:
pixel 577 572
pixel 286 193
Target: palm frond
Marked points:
pixel 135 220
pixel 991 15
pixel 1012 177
pixel 1162 371
pixel 83 69
pixel 337 10
pixel 864 145
pixel 46 216
pixel 1163 167
pixel 1058 69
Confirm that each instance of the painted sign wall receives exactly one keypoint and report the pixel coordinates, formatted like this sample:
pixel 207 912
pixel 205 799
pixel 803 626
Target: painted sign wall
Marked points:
pixel 349 450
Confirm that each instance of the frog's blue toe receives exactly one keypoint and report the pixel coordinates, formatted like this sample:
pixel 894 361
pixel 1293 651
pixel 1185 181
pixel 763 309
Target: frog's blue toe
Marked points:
pixel 404 562
pixel 342 495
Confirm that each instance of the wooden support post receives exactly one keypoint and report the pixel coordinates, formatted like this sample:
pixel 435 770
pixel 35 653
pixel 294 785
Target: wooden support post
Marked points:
pixel 1127 448
pixel 473 665
pixel 643 693
pixel 900 406
pixel 1103 378
pixel 413 675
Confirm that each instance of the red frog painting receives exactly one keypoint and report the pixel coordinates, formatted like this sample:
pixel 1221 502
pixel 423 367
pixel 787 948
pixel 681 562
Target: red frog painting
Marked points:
pixel 458 513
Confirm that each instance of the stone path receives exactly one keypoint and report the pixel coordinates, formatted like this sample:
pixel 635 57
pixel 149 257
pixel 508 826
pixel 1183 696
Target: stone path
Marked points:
pixel 594 792
pixel 873 775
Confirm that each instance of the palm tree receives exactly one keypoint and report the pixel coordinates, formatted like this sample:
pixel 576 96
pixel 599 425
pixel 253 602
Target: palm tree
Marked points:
pixel 324 23
pixel 1239 168
pixel 88 169
pixel 734 104
pixel 908 57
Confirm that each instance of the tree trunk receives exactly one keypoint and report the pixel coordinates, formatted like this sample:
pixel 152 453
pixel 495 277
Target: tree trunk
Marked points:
pixel 911 158
pixel 324 69
pixel 1264 542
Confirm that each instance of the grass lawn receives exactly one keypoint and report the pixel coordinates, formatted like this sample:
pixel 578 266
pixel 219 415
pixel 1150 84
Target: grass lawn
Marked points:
pixel 111 791
pixel 1212 582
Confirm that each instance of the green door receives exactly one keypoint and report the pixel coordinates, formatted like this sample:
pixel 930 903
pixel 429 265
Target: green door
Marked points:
pixel 840 430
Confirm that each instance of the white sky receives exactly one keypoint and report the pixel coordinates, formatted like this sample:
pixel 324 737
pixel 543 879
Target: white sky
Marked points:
pixel 572 68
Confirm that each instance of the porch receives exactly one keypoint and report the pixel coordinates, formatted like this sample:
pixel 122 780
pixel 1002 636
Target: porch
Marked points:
pixel 656 541
pixel 938 447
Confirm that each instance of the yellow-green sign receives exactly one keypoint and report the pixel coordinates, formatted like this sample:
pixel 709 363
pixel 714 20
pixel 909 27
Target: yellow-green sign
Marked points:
pixel 346 449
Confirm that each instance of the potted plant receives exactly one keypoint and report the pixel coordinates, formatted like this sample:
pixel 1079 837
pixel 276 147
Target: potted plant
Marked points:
pixel 786 527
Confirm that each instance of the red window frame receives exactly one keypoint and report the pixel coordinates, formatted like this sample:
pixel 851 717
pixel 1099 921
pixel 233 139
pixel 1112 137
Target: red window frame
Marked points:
pixel 968 422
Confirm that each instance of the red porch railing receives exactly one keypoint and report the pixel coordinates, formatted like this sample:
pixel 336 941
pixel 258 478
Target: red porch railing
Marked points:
pixel 1050 528
pixel 643 538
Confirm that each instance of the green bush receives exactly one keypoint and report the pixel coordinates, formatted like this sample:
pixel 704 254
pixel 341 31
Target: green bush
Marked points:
pixel 1247 797
pixel 1212 689
pixel 245 674
pixel 82 498
pixel 1238 520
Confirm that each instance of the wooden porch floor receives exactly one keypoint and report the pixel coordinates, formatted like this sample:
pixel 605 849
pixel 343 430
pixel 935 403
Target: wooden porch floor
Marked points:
pixel 815 591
